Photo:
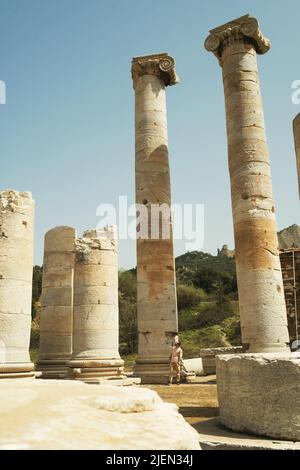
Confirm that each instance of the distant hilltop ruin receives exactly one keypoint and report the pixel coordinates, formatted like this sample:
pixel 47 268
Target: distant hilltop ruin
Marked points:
pixel 224 251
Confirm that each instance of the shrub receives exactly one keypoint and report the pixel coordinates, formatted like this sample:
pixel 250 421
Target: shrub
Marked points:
pixel 127 285
pixel 210 337
pixel 36 288
pixel 205 314
pixel 188 296
pixel 232 329
pixel 128 326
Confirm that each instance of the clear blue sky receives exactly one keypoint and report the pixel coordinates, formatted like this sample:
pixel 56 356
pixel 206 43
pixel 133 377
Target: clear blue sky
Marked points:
pixel 67 130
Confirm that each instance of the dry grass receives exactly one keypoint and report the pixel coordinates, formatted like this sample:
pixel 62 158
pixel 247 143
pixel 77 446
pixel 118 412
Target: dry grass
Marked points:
pixel 196 402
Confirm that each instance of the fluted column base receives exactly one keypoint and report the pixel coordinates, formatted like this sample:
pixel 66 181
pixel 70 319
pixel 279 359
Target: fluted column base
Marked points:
pixel 17 370
pixel 95 371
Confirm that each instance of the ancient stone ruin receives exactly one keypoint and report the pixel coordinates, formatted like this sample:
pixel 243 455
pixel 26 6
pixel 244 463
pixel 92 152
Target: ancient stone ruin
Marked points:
pixel 156 290
pixel 224 251
pixel 208 356
pixel 56 324
pixel 258 383
pixel 261 298
pixel 96 315
pixel 16 260
pixel 250 391
pixel 79 335
pixel 72 415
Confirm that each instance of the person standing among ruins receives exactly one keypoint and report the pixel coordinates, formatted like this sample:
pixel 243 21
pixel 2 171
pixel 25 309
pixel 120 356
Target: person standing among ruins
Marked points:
pixel 175 362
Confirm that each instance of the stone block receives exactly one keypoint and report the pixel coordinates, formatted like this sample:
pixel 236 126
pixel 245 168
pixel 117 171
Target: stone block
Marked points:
pixel 260 393
pixel 71 415
pixel 208 356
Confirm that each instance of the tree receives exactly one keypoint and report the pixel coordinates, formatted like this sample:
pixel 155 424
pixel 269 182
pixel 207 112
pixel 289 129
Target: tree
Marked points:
pixel 36 288
pixel 187 296
pixel 127 285
pixel 128 312
pixel 128 326
pixel 205 278
pixel 213 280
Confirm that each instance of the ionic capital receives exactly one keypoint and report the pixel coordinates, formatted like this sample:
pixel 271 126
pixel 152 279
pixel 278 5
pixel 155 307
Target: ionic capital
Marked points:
pixel 245 28
pixel 160 65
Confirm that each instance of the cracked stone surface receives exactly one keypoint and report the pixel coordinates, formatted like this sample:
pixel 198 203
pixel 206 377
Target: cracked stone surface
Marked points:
pixel 62 414
pixel 260 393
pixel 260 286
pixel 56 324
pixel 95 352
pixel 208 356
pixel 156 290
pixel 16 264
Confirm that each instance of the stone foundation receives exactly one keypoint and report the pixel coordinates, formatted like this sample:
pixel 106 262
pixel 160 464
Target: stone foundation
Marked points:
pixel 152 371
pixel 51 370
pixel 17 371
pixel 260 394
pixel 208 357
pixel 95 371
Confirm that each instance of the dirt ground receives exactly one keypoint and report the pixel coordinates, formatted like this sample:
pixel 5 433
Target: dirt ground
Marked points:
pixel 197 402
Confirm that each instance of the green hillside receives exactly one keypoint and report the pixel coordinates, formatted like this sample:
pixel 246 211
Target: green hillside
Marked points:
pixel 207 301
pixel 193 260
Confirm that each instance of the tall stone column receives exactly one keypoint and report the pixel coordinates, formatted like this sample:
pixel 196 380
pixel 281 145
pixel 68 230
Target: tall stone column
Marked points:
pixel 16 265
pixel 96 314
pixel 156 289
pixel 296 128
pixel 258 391
pixel 57 303
pixel 260 287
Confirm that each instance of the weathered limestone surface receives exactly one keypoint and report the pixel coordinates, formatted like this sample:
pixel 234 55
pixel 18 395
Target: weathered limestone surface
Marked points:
pixel 260 393
pixel 261 296
pixel 214 436
pixel 194 365
pixel 16 264
pixel 96 316
pixel 63 414
pixel 257 392
pixel 296 128
pixel 57 302
pixel 208 356
pixel 156 290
